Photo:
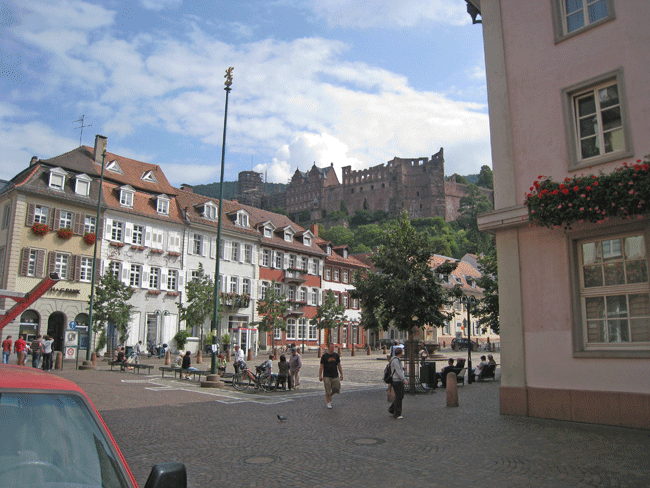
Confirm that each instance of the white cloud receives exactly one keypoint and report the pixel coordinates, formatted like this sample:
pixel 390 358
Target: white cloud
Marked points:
pixel 157 5
pixel 389 13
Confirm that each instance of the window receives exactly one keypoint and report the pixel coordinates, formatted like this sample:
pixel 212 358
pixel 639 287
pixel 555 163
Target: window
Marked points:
pixel 6 216
pixel 291 328
pixel 277 333
pixel 596 113
pixel 278 260
pixel 248 253
pixel 198 244
pixel 194 276
pixel 314 267
pixel 172 280
pixel 292 261
pixel 90 224
pixel 336 274
pixel 234 284
pixel 57 178
pixel 134 275
pixel 291 293
pixel 82 185
pixel 313 332
pixel 328 274
pixel 138 235
pixel 278 288
pixel 355 303
pixel 574 16
pixel 302 329
pixel 614 289
pixel 288 236
pixel 246 286
pixel 265 285
pixel 117 231
pixel 31 266
pixel 126 197
pixel 242 219
pixel 163 205
pixel 65 220
pixel 2 263
pixel 210 211
pixel 234 251
pixel 306 241
pixel 268 232
pixel 302 297
pixel 346 300
pixel 345 275
pixel 61 265
pixel 40 214
pixel 85 269
pixel 114 267
pixel 314 296
pixel 303 263
pixel 154 278
pixel 266 258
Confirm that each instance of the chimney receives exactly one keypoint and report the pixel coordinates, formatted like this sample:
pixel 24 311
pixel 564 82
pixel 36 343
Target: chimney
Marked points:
pixel 314 229
pixel 100 147
pixel 33 161
pixel 187 188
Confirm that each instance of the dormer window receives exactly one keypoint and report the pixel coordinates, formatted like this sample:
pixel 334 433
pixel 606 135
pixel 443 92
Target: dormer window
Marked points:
pixel 306 241
pixel 126 196
pixel 82 185
pixel 162 206
pixel 114 167
pixel 268 232
pixel 345 253
pixel 242 219
pixel 57 178
pixel 288 236
pixel 328 250
pixel 209 211
pixel 149 176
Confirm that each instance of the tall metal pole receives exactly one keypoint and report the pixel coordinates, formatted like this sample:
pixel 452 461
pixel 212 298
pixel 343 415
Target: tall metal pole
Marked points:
pixel 213 367
pixel 94 270
pixel 469 300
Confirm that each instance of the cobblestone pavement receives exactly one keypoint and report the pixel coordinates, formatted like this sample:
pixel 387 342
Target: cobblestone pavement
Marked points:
pixel 228 438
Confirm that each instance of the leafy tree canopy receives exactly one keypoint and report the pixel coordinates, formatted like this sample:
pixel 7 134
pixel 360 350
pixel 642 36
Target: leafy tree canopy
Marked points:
pixel 110 306
pixel 488 311
pixel 330 314
pixel 272 309
pixel 199 299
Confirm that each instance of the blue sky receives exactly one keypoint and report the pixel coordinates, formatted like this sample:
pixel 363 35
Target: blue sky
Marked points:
pixel 349 82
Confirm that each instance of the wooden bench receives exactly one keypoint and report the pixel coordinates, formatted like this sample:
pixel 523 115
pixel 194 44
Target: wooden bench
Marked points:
pixel 199 373
pixel 134 366
pixel 487 372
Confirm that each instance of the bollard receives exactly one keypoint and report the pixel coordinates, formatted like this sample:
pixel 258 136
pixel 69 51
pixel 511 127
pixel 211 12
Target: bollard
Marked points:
pixel 228 355
pixel 383 349
pixel 320 351
pixel 168 358
pixel 93 359
pixel 58 362
pixel 249 356
pixel 368 352
pixel 353 350
pixel 452 390
pixel 199 356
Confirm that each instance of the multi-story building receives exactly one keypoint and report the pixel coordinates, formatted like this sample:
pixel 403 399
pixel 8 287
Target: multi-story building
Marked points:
pixel 568 96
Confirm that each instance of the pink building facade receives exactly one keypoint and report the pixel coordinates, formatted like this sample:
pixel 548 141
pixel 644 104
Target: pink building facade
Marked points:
pixel 568 95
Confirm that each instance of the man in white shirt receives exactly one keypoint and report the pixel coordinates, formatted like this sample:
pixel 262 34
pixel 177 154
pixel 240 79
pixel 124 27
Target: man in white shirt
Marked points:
pixel 239 358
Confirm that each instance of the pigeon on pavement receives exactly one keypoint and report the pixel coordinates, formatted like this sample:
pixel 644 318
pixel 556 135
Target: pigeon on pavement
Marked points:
pixel 281 418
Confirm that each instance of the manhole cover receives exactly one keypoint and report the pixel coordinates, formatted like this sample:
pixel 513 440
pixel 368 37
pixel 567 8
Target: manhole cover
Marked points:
pixel 259 460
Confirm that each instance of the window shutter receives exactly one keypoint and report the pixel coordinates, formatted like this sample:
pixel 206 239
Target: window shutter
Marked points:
pixel 180 280
pixel 128 232
pixel 286 260
pixel 75 261
pixel 100 229
pixel 163 278
pixel 253 255
pixel 213 247
pixel 98 269
pixel 50 219
pixel 145 277
pixel 40 264
pixel 226 253
pixel 31 210
pixel 147 236
pixel 260 255
pixel 125 273
pixel 108 225
pixel 56 219
pixel 78 225
pixel 24 261
pixel 242 251
pixel 190 243
pixel 52 262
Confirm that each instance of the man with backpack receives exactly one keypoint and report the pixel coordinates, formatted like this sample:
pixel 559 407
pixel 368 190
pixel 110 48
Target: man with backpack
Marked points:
pixel 37 350
pixel 398 382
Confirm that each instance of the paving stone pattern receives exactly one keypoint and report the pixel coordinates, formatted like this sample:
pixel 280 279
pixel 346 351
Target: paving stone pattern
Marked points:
pixel 227 438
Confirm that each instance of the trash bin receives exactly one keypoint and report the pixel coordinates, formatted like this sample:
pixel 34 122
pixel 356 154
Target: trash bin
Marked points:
pixel 128 351
pixel 428 374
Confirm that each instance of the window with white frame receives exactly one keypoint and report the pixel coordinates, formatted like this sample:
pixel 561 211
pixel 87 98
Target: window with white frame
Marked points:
pixel 291 328
pixel 345 276
pixel 6 216
pixel 292 261
pixel 314 267
pixel 248 253
pixel 246 286
pixel 57 178
pixel 62 265
pixel 278 288
pixel 313 332
pixel 336 274
pixel 288 236
pixel 615 292
pixel 264 287
pixel 574 16
pixel 306 241
pixel 115 267
pixel 302 296
pixel 197 245
pixel 279 257
pixel 277 333
pixel 355 303
pixel 90 224
pixel 137 237
pixel 162 206
pixel 135 275
pixel 234 285
pixel 85 269
pixel 328 274
pixel 210 211
pixel 346 300
pixel 314 296
pixel 596 119
pixel 82 185
pixel 266 258
pixel 126 197
pixel 65 219
pixel 194 275
pixel 304 262
pixel 31 265
pixel 291 293
pixel 242 219
pixel 172 280
pixel 234 251
pixel 268 232
pixel 302 329
pixel 154 278
pixel 40 214
pixel 117 231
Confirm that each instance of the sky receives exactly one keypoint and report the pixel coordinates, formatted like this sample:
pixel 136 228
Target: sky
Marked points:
pixel 343 82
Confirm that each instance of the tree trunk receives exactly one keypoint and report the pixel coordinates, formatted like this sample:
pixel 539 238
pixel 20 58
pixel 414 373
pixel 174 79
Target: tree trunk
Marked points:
pixel 412 358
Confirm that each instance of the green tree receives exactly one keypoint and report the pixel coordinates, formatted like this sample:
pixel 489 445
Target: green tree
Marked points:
pixel 339 235
pixel 344 208
pixel 486 177
pixel 460 179
pixel 473 203
pixel 328 315
pixel 361 217
pixel 488 310
pixel 370 235
pixel 406 292
pixel 111 306
pixel 199 299
pixel 272 309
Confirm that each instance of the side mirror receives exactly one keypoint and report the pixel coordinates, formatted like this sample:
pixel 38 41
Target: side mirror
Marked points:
pixel 167 475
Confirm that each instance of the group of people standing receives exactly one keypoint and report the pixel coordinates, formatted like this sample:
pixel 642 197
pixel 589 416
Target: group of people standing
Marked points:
pixel 41 346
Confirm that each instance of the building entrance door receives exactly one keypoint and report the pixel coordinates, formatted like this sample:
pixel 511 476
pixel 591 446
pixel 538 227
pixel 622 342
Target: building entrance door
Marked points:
pixel 55 329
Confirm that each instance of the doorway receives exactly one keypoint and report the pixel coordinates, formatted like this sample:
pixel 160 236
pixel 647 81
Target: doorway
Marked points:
pixel 55 329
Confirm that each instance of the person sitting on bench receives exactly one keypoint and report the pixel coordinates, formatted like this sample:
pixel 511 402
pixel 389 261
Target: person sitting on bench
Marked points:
pixel 447 369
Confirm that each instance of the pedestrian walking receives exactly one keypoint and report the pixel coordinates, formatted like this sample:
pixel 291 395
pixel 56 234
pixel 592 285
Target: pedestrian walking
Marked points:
pixel 20 348
pixel 137 350
pixel 238 359
pixel 6 349
pixel 399 380
pixel 330 373
pixel 47 352
pixel 295 363
pixel 37 350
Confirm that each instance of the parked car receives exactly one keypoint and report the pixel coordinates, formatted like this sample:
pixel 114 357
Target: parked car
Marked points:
pixel 461 344
pixel 53 436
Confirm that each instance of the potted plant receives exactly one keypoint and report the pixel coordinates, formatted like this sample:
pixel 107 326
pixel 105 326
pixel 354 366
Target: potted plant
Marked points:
pixel 225 340
pixel 40 229
pixel 64 233
pixel 89 238
pixel 181 338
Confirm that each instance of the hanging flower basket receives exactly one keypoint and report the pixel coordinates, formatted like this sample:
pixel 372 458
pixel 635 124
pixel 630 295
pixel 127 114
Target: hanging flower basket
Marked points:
pixel 40 229
pixel 89 238
pixel 623 193
pixel 64 233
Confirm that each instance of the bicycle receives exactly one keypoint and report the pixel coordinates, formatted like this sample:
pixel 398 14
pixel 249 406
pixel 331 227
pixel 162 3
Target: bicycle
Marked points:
pixel 245 379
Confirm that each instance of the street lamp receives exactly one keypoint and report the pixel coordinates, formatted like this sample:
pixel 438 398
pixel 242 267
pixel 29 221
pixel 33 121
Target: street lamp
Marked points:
pixel 215 319
pixel 469 301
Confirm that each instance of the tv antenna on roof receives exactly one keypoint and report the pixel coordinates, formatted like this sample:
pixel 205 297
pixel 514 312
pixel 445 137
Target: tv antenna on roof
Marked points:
pixel 82 127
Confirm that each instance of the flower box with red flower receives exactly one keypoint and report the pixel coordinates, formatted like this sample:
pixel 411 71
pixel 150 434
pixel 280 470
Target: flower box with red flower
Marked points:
pixel 154 292
pixel 40 229
pixel 172 253
pixel 173 293
pixel 137 248
pixel 156 251
pixel 64 233
pixel 89 238
pixel 116 244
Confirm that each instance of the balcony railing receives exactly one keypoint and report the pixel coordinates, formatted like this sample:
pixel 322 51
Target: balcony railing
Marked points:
pixel 296 276
pixel 295 308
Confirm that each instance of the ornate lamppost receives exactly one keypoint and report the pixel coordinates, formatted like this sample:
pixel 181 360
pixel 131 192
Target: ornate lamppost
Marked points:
pixel 213 366
pixel 469 301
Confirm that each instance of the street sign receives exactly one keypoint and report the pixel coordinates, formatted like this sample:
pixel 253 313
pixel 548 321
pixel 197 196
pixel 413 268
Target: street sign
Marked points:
pixel 72 325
